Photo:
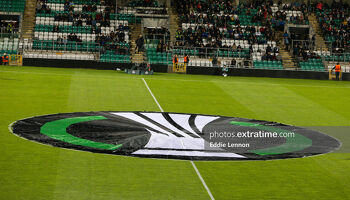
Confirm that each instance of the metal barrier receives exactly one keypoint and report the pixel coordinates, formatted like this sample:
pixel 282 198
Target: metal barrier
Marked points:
pixel 4 33
pixel 67 46
pixel 209 52
pixel 242 58
pixel 102 53
pixel 71 46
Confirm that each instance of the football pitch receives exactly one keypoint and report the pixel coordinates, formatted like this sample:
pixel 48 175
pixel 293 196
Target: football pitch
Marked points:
pixel 29 170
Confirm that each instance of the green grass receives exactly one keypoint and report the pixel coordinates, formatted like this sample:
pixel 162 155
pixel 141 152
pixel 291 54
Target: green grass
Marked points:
pixel 33 171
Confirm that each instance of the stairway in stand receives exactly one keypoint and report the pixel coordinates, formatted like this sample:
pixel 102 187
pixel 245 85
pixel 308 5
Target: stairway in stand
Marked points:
pixel 29 19
pixel 174 24
pixel 136 32
pixel 320 43
pixel 287 58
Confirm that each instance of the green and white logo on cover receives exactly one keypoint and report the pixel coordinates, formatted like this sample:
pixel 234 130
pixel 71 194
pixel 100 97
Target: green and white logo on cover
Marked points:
pixel 173 136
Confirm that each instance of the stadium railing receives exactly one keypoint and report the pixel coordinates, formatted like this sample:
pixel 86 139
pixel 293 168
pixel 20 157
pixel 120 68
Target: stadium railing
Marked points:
pixel 204 56
pixel 53 45
pixel 135 14
pixel 50 47
pixel 9 34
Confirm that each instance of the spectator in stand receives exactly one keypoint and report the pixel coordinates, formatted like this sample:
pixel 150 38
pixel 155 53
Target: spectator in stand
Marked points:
pixel 274 57
pixel 286 40
pixel 9 28
pixel 65 41
pixel 139 44
pixel 233 62
pixel 79 22
pixel 268 49
pixel 159 48
pixel 215 61
pixel 38 6
pixel 319 6
pixel 59 40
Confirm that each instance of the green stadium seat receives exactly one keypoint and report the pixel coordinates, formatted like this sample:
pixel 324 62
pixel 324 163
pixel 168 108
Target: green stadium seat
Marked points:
pixel 12 5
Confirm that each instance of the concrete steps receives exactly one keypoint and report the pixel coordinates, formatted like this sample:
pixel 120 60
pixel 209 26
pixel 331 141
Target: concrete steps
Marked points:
pixel 320 42
pixel 287 58
pixel 174 24
pixel 136 32
pixel 28 22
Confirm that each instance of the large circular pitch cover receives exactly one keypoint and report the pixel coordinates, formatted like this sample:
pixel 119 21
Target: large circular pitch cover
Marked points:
pixel 174 136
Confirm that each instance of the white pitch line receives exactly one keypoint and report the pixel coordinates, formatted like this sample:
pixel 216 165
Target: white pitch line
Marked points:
pixel 200 177
pixel 193 164
pixel 160 107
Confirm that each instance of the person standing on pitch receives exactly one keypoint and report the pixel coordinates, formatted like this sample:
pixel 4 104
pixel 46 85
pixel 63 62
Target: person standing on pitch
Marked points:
pixel 186 60
pixel 337 69
pixel 5 59
pixel 175 62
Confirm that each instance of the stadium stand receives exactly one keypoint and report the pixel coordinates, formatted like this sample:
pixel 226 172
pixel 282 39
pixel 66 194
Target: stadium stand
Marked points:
pixel 312 64
pixel 157 45
pixel 153 18
pixel 10 19
pixel 257 34
pixel 227 31
pixel 333 20
pixel 9 45
pixel 9 26
pixel 335 26
pixel 333 32
pixel 82 27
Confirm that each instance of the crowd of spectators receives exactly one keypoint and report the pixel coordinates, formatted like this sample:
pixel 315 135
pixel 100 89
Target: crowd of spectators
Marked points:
pixel 72 37
pixel 162 46
pixel 270 54
pixel 280 17
pixel 112 42
pixel 101 18
pixel 117 36
pixel 159 34
pixel 335 23
pixel 303 53
pixel 42 7
pixel 9 26
pixel 218 20
pixel 270 57
pixel 90 17
pixel 117 48
pixel 88 14
pixel 214 36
